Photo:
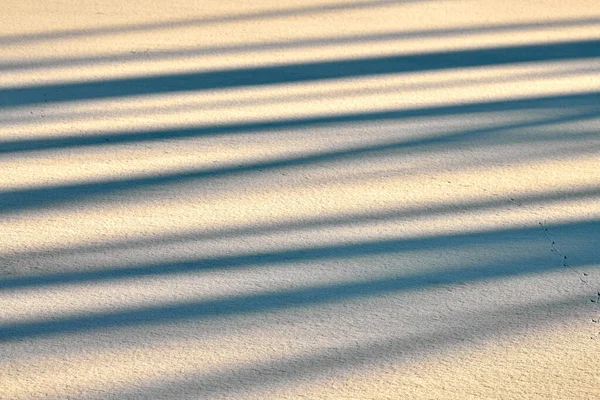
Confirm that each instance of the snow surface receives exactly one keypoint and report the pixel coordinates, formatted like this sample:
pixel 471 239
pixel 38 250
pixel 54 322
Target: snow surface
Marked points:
pixel 317 199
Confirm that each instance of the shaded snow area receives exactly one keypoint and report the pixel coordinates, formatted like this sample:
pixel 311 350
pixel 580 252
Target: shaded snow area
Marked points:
pixel 324 199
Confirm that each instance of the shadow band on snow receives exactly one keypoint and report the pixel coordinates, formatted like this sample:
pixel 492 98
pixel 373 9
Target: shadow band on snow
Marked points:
pixel 467 328
pixel 317 295
pixel 268 228
pixel 587 254
pixel 297 73
pixel 13 201
pixel 199 21
pixel 578 100
pixel 58 62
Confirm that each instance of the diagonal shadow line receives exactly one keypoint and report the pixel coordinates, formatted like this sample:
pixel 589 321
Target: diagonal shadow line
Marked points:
pixel 198 21
pixel 315 295
pixel 298 73
pixel 112 138
pixel 58 62
pixel 314 254
pixel 321 362
pixel 225 103
pixel 12 201
pixel 467 327
pixel 288 226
